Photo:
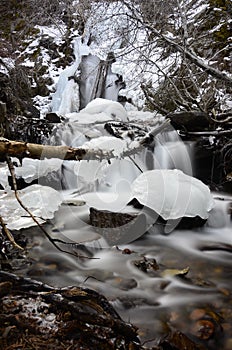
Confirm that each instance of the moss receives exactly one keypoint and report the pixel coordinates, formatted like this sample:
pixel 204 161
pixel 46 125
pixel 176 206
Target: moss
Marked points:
pixel 20 25
pixel 224 5
pixel 223 34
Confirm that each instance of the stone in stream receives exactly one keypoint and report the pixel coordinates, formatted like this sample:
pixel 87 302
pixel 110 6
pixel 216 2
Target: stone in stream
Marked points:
pixel 116 227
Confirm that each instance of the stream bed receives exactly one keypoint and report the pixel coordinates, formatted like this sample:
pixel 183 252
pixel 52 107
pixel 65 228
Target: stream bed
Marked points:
pixel 158 282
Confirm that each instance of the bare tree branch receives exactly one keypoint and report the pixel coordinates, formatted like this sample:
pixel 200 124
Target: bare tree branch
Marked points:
pixel 184 50
pixel 198 61
pixel 53 241
pixel 9 234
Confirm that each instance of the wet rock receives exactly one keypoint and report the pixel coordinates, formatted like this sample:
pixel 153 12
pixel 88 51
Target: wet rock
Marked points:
pixel 53 118
pixel 203 329
pixel 189 120
pixel 71 317
pixel 124 283
pixel 117 227
pixel 187 223
pixel 147 265
pixel 179 341
pixel 105 218
pixel 122 130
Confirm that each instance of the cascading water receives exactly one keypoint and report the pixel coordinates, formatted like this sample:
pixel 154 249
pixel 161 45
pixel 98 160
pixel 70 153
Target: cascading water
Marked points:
pixel 156 282
pixel 172 153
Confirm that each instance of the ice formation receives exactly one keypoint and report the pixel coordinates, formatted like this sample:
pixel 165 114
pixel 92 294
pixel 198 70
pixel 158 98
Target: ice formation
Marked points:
pixel 32 169
pixel 42 201
pixel 66 98
pixel 173 194
pixel 113 109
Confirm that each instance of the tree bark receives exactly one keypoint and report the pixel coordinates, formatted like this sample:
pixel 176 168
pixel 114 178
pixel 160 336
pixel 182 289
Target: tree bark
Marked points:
pixel 37 151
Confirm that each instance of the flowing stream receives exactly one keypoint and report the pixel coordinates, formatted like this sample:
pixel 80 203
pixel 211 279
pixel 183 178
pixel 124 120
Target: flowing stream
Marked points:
pixel 157 282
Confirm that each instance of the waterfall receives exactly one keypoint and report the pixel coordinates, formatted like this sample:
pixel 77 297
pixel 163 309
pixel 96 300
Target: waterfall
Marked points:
pixel 89 78
pixel 66 98
pixel 172 153
pixel 86 79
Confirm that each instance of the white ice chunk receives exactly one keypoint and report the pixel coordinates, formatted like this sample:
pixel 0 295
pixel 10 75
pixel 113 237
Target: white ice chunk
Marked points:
pixel 92 174
pixel 42 201
pixel 70 101
pixel 4 173
pixel 87 118
pixel 32 169
pixel 172 194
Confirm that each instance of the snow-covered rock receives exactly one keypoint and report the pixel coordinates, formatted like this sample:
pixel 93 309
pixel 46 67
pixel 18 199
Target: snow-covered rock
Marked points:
pixel 112 108
pixel 107 144
pixel 42 201
pixel 173 194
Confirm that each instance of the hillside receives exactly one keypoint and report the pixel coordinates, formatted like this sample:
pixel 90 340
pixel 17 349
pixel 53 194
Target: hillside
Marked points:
pixel 173 58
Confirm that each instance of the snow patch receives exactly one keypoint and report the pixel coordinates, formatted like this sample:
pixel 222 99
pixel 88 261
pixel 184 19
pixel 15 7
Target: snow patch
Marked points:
pixel 112 108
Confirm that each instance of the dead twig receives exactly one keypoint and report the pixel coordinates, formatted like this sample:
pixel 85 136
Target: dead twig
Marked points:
pixel 9 234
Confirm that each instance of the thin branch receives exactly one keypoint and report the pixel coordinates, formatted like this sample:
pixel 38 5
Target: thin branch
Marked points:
pixel 12 172
pixel 222 121
pixel 206 133
pixel 9 234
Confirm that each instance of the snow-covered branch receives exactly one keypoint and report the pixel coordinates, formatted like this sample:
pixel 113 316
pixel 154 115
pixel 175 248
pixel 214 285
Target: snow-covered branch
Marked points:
pixel 178 46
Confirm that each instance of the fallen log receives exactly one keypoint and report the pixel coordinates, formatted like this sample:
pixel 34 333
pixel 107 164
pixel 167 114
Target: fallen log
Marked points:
pixel 37 151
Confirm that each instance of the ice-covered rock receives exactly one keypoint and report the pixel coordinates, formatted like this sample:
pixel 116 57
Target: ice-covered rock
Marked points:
pixel 42 201
pixel 32 169
pixel 111 108
pixel 173 194
pixel 107 144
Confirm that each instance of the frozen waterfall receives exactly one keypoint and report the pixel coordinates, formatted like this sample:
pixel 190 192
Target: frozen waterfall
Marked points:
pixel 66 98
pixel 86 79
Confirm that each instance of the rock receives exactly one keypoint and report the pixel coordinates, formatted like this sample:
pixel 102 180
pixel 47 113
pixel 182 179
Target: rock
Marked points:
pixel 191 120
pixel 116 227
pixel 173 194
pixel 59 318
pixel 52 117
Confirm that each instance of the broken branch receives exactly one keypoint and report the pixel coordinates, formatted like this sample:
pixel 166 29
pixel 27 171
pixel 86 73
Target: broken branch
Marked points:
pixel 9 234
